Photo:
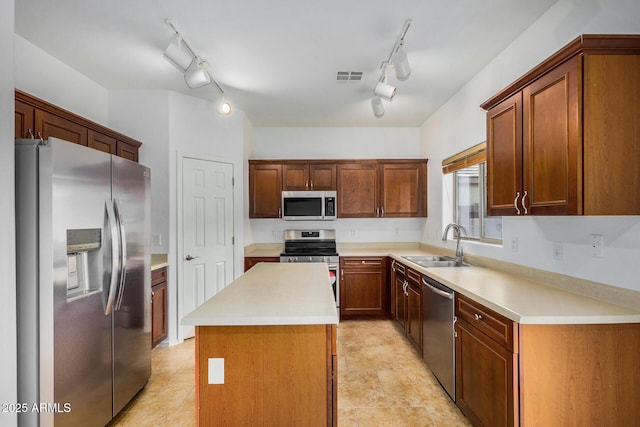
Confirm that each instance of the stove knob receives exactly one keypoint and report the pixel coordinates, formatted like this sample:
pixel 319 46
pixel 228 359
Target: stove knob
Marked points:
pixel 309 259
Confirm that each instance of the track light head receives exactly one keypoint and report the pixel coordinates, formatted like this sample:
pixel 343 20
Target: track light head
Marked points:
pixel 197 75
pixel 175 54
pixel 385 91
pixel 401 64
pixel 378 108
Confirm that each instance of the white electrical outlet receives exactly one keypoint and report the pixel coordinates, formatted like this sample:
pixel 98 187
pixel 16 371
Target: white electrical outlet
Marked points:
pixel 557 251
pixel 514 244
pixel 597 245
pixel 216 370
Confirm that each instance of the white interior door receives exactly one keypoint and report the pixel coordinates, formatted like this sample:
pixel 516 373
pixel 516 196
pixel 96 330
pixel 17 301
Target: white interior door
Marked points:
pixel 207 232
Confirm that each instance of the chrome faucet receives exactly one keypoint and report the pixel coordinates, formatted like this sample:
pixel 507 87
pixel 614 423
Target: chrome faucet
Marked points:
pixel 458 229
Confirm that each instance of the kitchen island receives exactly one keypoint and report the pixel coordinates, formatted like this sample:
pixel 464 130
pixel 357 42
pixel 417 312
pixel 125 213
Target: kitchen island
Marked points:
pixel 266 349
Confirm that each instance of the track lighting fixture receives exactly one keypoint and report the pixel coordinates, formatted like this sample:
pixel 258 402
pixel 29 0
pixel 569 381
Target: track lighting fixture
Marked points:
pixel 175 54
pixel 384 90
pixel 196 70
pixel 399 64
pixel 378 108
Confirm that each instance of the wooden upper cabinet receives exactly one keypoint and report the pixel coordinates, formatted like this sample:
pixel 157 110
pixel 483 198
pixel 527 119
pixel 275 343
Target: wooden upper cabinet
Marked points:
pixel 102 142
pixel 563 139
pixel 504 156
pixel 24 120
pixel 265 190
pixel 358 190
pixel 403 189
pixel 51 125
pixel 308 176
pixel 35 118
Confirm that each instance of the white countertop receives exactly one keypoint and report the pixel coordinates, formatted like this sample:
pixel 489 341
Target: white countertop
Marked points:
pixel 271 294
pixel 526 301
pixel 520 299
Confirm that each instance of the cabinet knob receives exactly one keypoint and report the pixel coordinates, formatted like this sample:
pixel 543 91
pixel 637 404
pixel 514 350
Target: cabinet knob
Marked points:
pixel 515 203
pixel 478 317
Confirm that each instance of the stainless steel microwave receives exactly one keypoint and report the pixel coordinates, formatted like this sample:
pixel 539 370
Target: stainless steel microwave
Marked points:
pixel 309 205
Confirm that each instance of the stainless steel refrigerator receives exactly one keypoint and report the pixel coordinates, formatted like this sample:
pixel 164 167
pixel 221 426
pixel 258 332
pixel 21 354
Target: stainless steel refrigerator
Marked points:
pixel 84 285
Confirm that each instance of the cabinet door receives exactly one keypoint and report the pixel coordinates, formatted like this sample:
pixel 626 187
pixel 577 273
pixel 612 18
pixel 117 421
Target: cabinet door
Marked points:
pixel 404 189
pixel 101 142
pixel 50 125
pixel 400 300
pixel 265 191
pixel 363 288
pixel 414 316
pixel 159 314
pixel 358 190
pixel 322 177
pixel 24 120
pixel 126 151
pixel 504 157
pixel 552 148
pixel 486 377
pixel 295 177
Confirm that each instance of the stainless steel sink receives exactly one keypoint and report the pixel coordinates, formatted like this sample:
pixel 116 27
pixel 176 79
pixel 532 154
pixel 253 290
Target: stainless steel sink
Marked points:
pixel 434 261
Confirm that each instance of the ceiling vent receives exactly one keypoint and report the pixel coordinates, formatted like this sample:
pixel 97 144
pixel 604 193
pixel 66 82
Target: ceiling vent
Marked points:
pixel 348 76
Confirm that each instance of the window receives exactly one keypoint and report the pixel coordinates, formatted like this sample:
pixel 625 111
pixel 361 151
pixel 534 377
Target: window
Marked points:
pixel 469 195
pixel 469 205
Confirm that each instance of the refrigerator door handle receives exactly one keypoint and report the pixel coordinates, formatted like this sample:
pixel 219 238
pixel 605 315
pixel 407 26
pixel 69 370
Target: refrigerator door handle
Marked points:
pixel 123 254
pixel 115 257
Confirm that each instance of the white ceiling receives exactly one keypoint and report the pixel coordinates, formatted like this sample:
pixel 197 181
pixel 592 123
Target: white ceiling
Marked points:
pixel 277 60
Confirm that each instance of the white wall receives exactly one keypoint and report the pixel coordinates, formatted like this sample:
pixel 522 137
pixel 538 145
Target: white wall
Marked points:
pixel 171 125
pixel 338 143
pixel 42 75
pixel 8 357
pixel 460 123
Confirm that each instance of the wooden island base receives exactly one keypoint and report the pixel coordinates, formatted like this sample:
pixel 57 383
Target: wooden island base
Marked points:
pixel 282 375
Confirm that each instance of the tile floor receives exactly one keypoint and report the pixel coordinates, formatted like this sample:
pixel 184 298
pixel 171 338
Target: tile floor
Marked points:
pixel 382 381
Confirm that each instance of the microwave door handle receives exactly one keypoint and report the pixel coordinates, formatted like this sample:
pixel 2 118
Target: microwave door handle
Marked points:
pixel 123 254
pixel 114 245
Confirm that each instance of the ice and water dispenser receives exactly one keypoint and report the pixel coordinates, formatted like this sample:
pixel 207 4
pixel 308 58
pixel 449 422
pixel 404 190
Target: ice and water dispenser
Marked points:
pixel 83 262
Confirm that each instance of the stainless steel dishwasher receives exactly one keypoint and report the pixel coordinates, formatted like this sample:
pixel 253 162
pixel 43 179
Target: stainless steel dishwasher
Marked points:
pixel 438 339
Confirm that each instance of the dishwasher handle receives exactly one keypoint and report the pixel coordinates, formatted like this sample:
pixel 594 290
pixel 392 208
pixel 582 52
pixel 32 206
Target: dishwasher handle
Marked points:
pixel 438 291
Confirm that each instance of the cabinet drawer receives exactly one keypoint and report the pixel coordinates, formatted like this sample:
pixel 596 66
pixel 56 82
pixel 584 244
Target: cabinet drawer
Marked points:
pixel 362 262
pixel 158 276
pixel 413 276
pixel 494 325
pixel 399 268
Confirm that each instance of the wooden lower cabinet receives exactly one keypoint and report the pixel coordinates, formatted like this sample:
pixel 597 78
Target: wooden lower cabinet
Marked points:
pixel 407 302
pixel 159 314
pixel 251 261
pixel 273 375
pixel 510 374
pixel 363 288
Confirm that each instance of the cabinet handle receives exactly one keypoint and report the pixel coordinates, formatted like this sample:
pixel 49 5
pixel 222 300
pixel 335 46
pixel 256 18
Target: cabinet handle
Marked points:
pixel 393 264
pixel 29 134
pixel 39 135
pixel 515 202
pixel 306 184
pixel 524 196
pixel 381 211
pixel 478 317
pixel 377 212
pixel 312 184
pixel 279 212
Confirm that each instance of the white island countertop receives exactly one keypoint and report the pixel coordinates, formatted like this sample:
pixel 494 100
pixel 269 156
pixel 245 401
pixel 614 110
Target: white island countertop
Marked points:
pixel 271 294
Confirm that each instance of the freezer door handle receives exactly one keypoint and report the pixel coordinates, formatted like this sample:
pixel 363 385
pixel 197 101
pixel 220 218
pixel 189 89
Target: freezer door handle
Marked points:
pixel 123 253
pixel 115 256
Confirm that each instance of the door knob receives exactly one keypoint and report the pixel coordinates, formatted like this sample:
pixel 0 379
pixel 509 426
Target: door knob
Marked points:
pixel 189 257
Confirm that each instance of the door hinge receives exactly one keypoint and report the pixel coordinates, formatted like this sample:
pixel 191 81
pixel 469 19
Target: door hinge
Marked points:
pixel 233 240
pixel 233 181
